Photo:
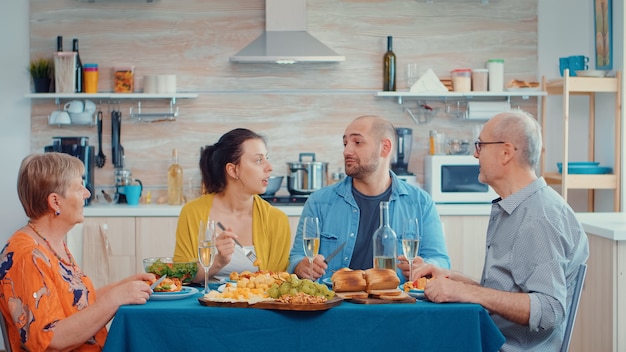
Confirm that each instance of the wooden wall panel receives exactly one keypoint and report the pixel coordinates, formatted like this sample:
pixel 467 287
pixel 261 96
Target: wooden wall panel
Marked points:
pixel 302 107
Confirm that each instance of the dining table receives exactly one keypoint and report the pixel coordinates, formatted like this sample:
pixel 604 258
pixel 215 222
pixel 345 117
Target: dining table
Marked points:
pixel 186 325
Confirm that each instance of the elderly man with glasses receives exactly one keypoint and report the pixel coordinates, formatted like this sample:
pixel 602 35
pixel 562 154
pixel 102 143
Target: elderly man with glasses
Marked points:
pixel 534 242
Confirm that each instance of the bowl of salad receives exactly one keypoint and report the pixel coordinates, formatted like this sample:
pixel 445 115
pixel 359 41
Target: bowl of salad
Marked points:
pixel 160 266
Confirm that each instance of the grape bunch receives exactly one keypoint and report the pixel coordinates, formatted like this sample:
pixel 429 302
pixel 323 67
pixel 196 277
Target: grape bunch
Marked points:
pixel 293 285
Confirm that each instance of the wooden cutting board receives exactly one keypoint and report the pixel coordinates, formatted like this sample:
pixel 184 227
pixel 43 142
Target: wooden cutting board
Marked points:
pixel 380 301
pixel 274 305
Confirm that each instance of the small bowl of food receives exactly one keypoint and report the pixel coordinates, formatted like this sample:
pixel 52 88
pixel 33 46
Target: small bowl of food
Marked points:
pixel 159 266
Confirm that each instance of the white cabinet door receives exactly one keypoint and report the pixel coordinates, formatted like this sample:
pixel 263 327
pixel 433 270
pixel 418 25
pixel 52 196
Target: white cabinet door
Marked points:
pixel 465 239
pixel 156 237
pixel 108 249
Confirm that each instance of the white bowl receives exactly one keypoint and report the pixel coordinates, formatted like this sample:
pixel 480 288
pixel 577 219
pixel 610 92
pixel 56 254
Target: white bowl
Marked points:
pixel 82 118
pixel 591 73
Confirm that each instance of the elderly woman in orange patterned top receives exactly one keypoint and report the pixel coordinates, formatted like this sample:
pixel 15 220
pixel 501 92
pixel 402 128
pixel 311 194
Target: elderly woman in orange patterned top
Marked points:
pixel 46 300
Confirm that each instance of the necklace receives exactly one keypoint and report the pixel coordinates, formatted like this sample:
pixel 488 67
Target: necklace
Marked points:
pixel 67 251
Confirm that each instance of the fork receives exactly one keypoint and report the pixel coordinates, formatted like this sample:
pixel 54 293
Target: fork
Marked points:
pixel 249 253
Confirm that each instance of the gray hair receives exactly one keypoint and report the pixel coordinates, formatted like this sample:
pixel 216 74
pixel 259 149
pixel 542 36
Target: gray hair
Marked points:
pixel 523 131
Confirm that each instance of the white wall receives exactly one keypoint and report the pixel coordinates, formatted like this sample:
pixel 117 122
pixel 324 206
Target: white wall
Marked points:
pixel 572 34
pixel 15 119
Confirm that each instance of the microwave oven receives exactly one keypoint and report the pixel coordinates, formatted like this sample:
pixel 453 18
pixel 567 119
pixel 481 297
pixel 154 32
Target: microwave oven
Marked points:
pixel 454 179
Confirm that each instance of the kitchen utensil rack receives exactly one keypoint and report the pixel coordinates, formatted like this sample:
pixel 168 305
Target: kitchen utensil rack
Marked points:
pixel 155 116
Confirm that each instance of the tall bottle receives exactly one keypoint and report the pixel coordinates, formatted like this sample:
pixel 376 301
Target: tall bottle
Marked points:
pixel 385 241
pixel 59 43
pixel 175 181
pixel 389 67
pixel 78 82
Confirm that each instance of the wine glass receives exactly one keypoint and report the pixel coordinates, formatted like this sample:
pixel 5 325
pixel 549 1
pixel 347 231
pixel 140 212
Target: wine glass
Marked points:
pixel 311 239
pixel 206 248
pixel 411 242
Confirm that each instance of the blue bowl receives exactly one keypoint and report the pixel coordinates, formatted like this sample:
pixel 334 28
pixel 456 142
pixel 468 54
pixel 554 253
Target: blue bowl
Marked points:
pixel 577 165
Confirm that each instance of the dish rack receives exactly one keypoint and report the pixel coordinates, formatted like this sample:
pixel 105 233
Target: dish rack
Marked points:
pixel 170 115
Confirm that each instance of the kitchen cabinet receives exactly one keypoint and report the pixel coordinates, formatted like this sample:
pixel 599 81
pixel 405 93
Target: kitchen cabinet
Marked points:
pixel 465 238
pixel 585 86
pixel 108 249
pixel 155 237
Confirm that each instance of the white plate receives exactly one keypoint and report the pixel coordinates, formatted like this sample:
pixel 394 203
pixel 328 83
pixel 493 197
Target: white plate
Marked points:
pixel 327 282
pixel 221 288
pixel 167 296
pixel 591 73
pixel 419 294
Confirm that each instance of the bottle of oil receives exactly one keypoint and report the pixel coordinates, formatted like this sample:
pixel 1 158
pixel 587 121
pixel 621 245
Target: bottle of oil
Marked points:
pixel 389 67
pixel 175 181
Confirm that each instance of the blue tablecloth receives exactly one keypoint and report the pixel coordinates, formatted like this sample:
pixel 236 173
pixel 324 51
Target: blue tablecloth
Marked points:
pixel 185 325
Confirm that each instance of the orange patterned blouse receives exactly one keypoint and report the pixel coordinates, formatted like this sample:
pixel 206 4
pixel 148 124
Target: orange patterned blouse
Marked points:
pixel 37 290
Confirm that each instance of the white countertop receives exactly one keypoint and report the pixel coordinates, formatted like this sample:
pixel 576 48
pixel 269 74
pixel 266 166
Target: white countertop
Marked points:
pixel 146 210
pixel 608 225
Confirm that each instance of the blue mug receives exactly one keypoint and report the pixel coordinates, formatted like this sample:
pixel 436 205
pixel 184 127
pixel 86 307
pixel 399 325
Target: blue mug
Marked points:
pixel 573 63
pixel 133 193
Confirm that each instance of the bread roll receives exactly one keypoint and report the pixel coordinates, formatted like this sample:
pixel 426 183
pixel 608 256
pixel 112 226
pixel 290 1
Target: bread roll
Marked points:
pixel 381 279
pixel 349 280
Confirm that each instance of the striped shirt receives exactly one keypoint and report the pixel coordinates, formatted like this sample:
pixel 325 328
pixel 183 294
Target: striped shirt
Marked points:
pixel 534 245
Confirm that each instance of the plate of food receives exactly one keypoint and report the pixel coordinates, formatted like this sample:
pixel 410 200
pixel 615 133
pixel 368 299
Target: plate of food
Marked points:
pixel 415 293
pixel 185 292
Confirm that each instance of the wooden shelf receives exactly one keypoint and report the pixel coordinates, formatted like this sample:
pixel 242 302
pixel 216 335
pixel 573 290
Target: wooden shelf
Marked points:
pixel 111 96
pixel 608 181
pixel 586 86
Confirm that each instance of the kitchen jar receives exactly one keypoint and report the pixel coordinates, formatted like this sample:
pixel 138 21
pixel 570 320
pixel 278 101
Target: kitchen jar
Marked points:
pixel 479 79
pixel 496 75
pixel 462 80
pixel 306 177
pixel 90 78
pixel 123 79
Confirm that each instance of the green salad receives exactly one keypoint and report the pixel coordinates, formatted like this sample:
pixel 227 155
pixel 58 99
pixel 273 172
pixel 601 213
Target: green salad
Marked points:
pixel 184 271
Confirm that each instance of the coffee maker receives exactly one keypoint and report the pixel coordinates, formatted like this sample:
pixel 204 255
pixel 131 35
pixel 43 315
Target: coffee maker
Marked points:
pixel 404 141
pixel 80 148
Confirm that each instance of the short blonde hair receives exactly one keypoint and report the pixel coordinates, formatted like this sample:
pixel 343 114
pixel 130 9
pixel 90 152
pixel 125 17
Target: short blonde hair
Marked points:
pixel 43 174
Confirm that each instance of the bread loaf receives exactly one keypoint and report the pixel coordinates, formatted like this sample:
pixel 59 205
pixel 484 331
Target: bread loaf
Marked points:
pixel 347 280
pixel 381 279
pixel 353 294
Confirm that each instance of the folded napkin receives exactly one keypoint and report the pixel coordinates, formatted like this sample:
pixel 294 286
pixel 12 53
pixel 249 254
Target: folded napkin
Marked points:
pixel 428 83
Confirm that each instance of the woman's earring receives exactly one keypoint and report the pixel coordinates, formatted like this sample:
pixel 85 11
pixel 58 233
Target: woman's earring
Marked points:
pixel 57 213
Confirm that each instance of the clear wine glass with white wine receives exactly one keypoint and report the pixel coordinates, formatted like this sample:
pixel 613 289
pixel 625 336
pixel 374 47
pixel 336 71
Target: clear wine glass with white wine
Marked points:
pixel 411 242
pixel 206 248
pixel 311 239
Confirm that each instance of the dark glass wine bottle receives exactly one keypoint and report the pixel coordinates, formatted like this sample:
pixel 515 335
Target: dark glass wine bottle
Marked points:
pixel 78 83
pixel 59 43
pixel 389 68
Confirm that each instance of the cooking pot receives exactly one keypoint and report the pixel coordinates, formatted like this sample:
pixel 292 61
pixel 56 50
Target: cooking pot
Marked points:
pixel 306 177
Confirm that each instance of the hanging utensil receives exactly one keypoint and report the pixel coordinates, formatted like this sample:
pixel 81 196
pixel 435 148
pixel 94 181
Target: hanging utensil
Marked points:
pixel 100 158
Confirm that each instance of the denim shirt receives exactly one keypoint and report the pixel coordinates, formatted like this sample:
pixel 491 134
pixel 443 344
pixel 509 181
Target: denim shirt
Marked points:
pixel 339 220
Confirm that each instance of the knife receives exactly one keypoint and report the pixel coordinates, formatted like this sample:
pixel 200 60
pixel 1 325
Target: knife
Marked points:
pixel 334 253
pixel 249 254
pixel 156 283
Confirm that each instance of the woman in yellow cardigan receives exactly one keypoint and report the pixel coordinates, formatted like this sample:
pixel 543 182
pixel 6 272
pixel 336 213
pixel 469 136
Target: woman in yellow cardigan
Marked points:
pixel 235 170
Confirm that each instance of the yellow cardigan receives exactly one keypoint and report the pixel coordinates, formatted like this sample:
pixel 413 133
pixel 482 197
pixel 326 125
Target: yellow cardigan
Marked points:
pixel 271 233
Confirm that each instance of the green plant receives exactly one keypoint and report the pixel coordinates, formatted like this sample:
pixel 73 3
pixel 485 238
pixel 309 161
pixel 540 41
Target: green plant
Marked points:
pixel 41 68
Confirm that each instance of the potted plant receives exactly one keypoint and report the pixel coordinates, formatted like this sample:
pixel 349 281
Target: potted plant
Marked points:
pixel 41 71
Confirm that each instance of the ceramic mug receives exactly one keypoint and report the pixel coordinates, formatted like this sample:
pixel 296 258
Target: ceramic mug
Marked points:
pixel 89 106
pixel 577 63
pixel 74 106
pixel 59 118
pixel 133 193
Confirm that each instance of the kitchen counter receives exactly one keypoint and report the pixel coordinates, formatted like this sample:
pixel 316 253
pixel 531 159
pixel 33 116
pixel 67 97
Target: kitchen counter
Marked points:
pixel 147 210
pixel 611 226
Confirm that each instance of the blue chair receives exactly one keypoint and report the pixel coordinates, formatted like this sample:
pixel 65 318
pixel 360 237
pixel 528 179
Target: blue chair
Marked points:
pixel 5 334
pixel 573 308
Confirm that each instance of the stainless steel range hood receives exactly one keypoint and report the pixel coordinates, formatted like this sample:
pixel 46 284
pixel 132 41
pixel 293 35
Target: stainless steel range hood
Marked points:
pixel 286 40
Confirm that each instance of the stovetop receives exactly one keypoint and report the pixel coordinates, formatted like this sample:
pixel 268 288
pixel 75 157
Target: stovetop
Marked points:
pixel 285 200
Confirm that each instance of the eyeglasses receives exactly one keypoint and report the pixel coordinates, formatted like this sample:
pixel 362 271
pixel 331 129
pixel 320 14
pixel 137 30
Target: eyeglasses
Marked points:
pixel 479 144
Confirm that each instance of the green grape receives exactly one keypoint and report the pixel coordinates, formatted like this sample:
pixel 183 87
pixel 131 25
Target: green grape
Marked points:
pixel 273 292
pixel 284 288
pixel 293 292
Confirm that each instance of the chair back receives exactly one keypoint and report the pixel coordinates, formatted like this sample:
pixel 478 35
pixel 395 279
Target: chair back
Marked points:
pixel 5 334
pixel 573 309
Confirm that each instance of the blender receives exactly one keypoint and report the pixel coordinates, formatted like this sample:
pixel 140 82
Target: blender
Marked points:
pixel 400 162
pixel 404 141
